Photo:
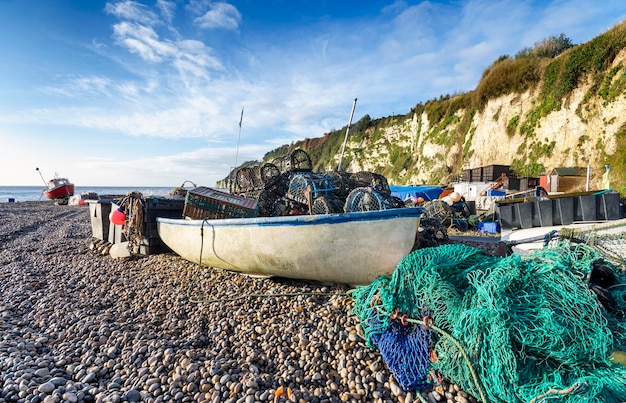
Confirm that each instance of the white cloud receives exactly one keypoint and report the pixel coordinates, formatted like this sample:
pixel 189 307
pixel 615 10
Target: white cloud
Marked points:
pixel 143 41
pixel 197 58
pixel 191 58
pixel 132 10
pixel 220 15
pixel 167 9
pixel 97 44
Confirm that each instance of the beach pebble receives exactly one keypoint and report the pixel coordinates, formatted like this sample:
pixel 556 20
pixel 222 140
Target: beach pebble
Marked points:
pixel 77 325
pixel 46 387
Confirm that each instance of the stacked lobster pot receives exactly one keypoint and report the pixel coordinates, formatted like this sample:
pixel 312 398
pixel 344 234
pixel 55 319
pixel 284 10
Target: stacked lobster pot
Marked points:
pixel 288 186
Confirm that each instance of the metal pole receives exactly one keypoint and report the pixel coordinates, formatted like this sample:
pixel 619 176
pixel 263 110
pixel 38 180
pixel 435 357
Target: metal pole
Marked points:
pixel 345 140
pixel 238 138
pixel 44 181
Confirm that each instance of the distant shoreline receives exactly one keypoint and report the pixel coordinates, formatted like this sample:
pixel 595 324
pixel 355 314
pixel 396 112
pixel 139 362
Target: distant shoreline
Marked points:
pixel 35 193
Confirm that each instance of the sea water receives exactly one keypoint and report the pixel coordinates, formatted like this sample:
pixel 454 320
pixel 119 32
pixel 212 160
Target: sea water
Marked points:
pixel 35 193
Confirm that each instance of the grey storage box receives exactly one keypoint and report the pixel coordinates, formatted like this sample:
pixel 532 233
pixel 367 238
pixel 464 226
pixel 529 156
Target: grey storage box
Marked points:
pixel 99 214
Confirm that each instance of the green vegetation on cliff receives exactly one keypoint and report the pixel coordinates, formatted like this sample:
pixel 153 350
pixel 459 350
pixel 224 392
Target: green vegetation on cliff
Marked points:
pixel 550 71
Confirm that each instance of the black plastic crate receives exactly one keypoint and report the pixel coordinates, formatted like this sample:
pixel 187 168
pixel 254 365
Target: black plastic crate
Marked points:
pixel 506 213
pixel 585 208
pixel 512 183
pixel 167 207
pixel 528 183
pixel 563 210
pixel 523 217
pixel 542 213
pixel 607 206
pixel 494 172
pixel 477 174
pixel 160 207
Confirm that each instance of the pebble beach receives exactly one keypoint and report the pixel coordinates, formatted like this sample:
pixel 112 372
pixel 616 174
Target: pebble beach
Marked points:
pixel 77 325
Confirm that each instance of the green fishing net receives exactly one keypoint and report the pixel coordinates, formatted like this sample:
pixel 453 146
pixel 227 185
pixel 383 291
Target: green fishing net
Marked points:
pixel 512 329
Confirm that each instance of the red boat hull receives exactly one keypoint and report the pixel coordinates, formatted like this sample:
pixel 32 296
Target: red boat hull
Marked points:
pixel 60 192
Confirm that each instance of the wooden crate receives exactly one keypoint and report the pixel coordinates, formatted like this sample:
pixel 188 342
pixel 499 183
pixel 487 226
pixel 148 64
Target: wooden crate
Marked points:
pixel 203 202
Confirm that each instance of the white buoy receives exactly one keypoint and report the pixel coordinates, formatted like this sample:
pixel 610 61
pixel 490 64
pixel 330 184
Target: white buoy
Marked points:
pixel 119 250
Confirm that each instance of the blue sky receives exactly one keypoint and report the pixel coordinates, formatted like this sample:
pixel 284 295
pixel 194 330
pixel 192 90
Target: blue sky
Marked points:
pixel 150 93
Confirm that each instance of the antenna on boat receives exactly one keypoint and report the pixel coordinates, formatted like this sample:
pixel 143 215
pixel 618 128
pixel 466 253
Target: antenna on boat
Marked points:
pixel 238 137
pixel 345 140
pixel 44 181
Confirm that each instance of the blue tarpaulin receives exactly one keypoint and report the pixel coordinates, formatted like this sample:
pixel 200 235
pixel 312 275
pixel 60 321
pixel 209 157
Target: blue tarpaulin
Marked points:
pixel 427 192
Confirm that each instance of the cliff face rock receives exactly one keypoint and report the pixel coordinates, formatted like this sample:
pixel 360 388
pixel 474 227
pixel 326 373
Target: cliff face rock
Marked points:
pixel 583 131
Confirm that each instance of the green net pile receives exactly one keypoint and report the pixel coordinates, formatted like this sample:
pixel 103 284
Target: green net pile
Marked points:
pixel 531 328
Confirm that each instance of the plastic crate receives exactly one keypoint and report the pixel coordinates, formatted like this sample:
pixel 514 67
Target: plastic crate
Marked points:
pixel 99 214
pixel 155 206
pixel 476 174
pixel 494 172
pixel 493 192
pixel 202 203
pixel 489 227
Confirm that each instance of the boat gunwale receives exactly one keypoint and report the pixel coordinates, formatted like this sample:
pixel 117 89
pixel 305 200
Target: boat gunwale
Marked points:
pixel 360 216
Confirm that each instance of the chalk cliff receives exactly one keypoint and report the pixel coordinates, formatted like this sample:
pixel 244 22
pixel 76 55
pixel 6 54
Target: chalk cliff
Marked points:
pixel 530 111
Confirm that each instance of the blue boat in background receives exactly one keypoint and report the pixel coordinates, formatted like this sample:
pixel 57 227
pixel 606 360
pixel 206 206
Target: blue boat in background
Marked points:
pixel 426 192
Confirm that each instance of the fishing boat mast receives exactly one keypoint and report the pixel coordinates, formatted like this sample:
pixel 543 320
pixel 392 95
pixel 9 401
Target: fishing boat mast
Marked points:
pixel 345 140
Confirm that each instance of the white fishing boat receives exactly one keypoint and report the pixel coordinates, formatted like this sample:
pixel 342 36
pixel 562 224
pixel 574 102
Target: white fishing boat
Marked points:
pixel 608 235
pixel 351 248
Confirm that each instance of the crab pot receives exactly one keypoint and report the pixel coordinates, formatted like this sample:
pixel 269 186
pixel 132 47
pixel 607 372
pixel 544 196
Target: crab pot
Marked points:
pixel 202 203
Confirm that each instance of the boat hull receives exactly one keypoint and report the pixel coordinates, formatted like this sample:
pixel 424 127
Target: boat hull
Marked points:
pixel 527 240
pixel 352 248
pixel 60 192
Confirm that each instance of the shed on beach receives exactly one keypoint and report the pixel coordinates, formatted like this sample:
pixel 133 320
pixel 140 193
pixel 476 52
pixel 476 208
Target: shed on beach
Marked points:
pixel 567 179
